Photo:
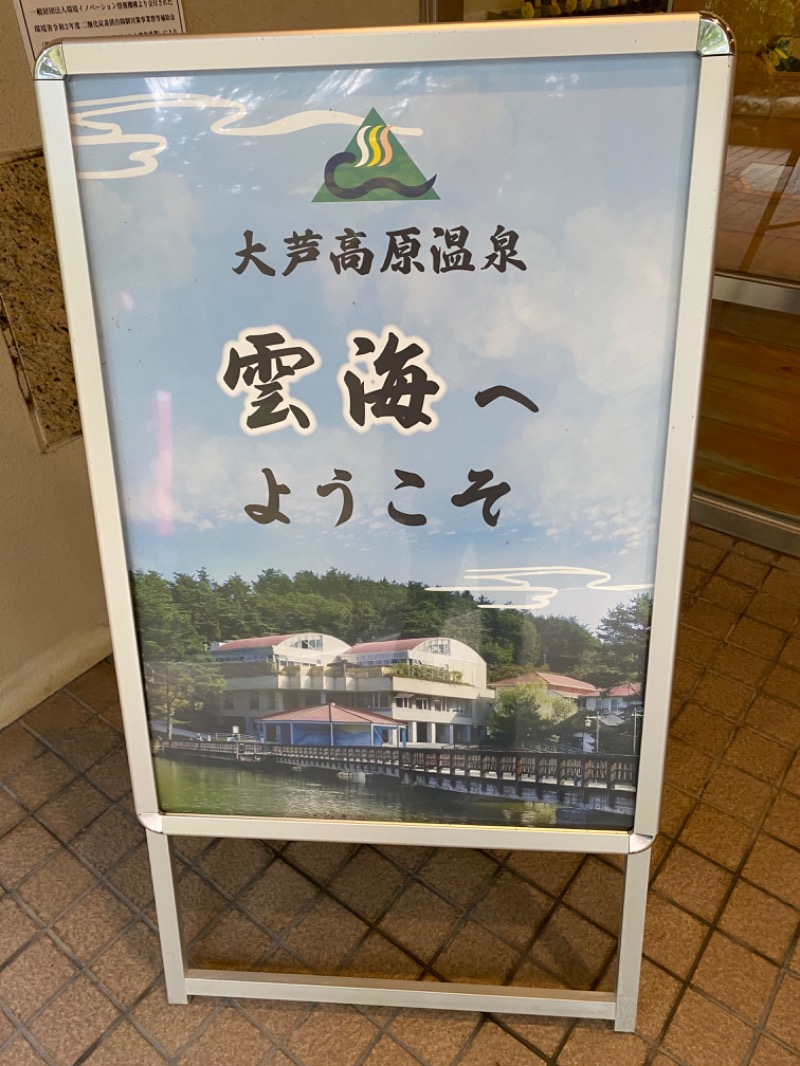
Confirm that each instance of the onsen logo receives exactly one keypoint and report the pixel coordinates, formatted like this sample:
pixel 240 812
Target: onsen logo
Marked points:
pixel 349 175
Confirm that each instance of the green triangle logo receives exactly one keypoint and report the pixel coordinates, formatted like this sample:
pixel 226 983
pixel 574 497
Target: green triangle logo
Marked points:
pixel 374 166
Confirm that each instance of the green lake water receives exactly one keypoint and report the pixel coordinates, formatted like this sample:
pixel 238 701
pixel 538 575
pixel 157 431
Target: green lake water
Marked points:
pixel 191 788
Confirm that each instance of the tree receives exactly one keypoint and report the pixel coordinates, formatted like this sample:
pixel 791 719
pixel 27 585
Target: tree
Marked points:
pixel 564 643
pixel 510 642
pixel 623 639
pixel 526 715
pixel 180 675
pixel 180 691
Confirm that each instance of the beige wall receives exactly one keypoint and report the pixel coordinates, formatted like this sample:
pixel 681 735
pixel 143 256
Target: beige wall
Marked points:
pixel 52 614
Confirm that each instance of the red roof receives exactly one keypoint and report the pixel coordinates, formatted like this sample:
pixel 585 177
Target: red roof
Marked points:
pixel 254 642
pixel 330 712
pixel 380 646
pixel 629 688
pixel 558 683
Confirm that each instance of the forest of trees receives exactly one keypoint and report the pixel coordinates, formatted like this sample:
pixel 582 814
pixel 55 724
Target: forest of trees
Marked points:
pixel 179 619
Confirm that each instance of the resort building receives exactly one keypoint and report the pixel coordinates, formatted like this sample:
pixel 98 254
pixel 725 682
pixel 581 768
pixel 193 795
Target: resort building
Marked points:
pixel 569 688
pixel 435 686
pixel 330 725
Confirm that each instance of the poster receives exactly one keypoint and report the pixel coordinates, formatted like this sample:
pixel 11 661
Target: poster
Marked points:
pixel 42 23
pixel 388 354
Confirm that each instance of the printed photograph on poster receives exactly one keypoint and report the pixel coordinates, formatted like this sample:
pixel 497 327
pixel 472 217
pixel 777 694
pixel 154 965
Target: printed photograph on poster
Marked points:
pixel 388 391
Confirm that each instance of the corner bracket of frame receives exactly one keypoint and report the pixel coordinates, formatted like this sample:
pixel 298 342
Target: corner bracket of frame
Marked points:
pixel 714 37
pixel 153 822
pixel 50 65
pixel 639 842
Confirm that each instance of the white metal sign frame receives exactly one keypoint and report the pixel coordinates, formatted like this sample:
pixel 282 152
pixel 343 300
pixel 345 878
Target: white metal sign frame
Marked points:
pixel 703 35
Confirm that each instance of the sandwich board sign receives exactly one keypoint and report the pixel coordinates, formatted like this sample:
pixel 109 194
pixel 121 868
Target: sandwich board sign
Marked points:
pixel 388 347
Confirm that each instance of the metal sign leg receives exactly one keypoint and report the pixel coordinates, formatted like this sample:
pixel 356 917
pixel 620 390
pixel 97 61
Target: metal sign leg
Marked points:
pixel 170 928
pixel 629 957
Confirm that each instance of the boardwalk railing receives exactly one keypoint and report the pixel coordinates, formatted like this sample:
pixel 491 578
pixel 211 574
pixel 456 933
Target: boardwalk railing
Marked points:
pixel 573 769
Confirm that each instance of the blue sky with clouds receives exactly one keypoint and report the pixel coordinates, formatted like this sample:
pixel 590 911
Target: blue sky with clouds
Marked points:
pixel 587 160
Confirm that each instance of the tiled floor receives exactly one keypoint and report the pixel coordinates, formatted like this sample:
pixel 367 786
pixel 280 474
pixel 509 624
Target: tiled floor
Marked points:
pixel 79 959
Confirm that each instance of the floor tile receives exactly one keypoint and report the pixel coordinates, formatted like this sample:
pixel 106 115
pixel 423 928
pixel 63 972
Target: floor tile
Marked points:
pixel 369 882
pixel 693 882
pixel 549 870
pixel 91 923
pixel 234 943
pixel 697 726
pixel 758 755
pixel 98 688
pixel 131 964
pixel 597 893
pixel 545 1034
pixel 388 1052
pixel 658 991
pixel 200 903
pixel 783 820
pixel 703 1034
pixel 229 1039
pixel 723 696
pixel 775 719
pixel 321 861
pixel 492 1044
pixel 326 936
pixel 172 1026
pixel 784 1018
pixel 40 779
pixel 16 928
pixel 770 1053
pixel 675 806
pixel 420 921
pixel 132 877
pixel 735 977
pixel 111 775
pixel 513 908
pixel 331 1034
pixel 782 683
pixel 672 938
pixel 19 1053
pixel 55 886
pixel 279 896
pixel 572 949
pixel 108 839
pixel 233 863
pixel 476 955
pixel 459 872
pixel 717 835
pixel 437 1035
pixel 22 849
pixel 757 637
pixel 18 749
pixel 73 1021
pixel 33 977
pixel 599 1043
pixel 737 793
pixel 125 1045
pixel 73 809
pixel 759 920
pixel 774 611
pixel 378 957
pixel 776 868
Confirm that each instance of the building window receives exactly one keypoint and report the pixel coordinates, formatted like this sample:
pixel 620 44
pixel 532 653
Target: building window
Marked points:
pixel 438 705
pixel 402 701
pixel 253 701
pixel 422 733
pixel 421 703
pixel 439 647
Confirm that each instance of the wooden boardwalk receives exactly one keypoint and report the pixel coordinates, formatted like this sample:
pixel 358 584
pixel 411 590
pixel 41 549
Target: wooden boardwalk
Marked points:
pixel 581 777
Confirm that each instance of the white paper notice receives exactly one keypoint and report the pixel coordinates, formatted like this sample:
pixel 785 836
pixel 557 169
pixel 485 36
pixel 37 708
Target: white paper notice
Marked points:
pixel 42 22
